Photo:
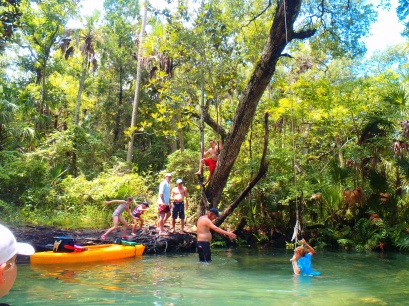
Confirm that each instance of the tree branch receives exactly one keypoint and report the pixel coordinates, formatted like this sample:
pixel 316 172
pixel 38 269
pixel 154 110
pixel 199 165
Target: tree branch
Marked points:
pixel 286 55
pixel 303 34
pixel 212 123
pixel 259 14
pixel 261 172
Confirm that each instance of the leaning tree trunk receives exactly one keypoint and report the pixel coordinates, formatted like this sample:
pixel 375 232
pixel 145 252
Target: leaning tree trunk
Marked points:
pixel 281 32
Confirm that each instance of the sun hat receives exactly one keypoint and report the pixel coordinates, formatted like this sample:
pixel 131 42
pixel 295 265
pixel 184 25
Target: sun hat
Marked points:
pixel 214 211
pixel 146 204
pixel 179 181
pixel 10 247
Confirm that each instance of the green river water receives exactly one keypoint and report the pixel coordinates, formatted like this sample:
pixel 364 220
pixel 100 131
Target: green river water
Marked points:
pixel 235 277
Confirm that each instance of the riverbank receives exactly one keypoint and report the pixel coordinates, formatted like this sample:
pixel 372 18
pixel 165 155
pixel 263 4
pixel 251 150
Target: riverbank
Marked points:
pixel 42 238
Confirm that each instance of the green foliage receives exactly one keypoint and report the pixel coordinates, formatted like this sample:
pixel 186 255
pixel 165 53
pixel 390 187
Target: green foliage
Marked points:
pixel 403 244
pixel 346 243
pixel 260 238
pixel 403 13
pixel 73 150
pixel 218 243
pixel 19 175
pixel 289 246
pixel 78 202
pixel 9 20
pixel 8 213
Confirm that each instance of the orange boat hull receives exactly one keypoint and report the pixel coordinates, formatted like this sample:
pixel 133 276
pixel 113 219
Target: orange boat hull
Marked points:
pixel 93 253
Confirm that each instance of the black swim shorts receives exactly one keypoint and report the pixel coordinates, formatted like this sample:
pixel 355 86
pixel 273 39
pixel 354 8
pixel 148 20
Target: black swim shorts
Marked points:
pixel 178 208
pixel 203 248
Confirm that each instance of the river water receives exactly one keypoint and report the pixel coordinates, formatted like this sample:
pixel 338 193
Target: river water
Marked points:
pixel 237 276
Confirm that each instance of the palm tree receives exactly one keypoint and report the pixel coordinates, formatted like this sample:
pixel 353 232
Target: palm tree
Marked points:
pixel 87 48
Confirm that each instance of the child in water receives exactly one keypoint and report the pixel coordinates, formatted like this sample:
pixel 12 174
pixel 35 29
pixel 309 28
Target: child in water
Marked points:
pixel 116 216
pixel 136 215
pixel 302 260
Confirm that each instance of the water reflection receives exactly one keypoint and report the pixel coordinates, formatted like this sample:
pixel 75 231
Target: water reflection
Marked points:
pixel 107 276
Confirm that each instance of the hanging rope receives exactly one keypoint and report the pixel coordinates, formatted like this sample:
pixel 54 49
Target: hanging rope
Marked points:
pixel 285 23
pixel 297 227
pixel 202 106
pixel 218 123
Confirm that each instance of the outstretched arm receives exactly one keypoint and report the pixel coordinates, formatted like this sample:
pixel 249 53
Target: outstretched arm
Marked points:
pixel 231 235
pixel 114 201
pixel 310 248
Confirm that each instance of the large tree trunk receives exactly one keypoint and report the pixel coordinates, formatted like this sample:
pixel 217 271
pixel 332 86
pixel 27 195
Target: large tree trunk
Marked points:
pixel 281 32
pixel 261 172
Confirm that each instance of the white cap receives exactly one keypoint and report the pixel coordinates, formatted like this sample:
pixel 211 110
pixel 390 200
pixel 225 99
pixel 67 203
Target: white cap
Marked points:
pixel 168 174
pixel 10 247
pixel 179 181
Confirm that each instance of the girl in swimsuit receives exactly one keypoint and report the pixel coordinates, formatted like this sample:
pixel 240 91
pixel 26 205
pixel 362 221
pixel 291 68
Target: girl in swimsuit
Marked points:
pixel 116 216
pixel 301 260
pixel 136 215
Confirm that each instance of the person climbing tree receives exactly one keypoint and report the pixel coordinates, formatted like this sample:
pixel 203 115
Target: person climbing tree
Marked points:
pixel 211 162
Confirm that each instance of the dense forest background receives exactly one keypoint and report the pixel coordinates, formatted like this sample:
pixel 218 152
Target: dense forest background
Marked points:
pixel 314 132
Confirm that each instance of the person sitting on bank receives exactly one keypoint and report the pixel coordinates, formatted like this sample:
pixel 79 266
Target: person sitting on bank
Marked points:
pixel 204 237
pixel 301 260
pixel 9 248
pixel 211 162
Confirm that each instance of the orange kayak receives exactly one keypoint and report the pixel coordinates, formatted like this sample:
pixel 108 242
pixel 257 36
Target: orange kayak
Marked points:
pixel 92 253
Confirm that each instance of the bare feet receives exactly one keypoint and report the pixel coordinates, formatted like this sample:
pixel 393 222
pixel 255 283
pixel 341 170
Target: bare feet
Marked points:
pixel 198 173
pixel 172 231
pixel 181 232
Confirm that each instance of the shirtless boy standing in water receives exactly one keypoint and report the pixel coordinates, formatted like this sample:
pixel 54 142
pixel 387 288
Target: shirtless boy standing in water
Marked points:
pixel 211 162
pixel 179 196
pixel 204 225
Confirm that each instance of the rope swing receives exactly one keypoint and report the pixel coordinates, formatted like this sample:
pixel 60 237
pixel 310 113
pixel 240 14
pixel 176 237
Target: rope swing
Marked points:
pixel 297 227
pixel 285 23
